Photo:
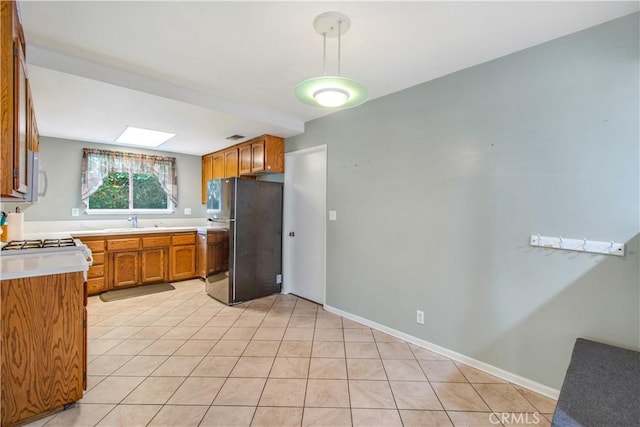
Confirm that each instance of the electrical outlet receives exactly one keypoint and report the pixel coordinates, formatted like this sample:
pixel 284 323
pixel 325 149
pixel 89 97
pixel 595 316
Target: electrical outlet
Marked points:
pixel 333 215
pixel 187 211
pixel 75 212
pixel 278 279
pixel 420 317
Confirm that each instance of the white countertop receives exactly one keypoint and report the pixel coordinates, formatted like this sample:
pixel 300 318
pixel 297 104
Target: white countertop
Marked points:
pixel 85 227
pixel 44 264
pixel 116 231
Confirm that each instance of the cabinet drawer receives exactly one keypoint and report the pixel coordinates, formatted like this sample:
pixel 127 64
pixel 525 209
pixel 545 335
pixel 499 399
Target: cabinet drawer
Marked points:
pixel 184 239
pixel 156 242
pixel 94 245
pixel 123 244
pixel 95 285
pixel 98 258
pixel 95 271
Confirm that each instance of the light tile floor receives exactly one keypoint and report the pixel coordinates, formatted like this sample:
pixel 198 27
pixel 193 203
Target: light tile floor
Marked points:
pixel 180 358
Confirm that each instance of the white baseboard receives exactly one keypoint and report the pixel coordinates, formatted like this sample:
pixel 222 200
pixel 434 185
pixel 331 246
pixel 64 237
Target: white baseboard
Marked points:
pixel 485 367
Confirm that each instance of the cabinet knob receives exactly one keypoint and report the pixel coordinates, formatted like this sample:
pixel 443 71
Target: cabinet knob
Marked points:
pixel 292 234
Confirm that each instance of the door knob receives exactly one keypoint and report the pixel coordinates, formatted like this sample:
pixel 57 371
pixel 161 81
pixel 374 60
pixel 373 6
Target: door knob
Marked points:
pixel 292 234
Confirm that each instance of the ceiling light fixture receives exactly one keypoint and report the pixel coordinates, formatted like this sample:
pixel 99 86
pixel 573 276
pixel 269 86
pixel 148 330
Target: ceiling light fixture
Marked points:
pixel 331 91
pixel 143 137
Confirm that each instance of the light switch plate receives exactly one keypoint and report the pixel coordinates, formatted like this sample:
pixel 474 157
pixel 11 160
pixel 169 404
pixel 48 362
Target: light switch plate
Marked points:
pixel 332 215
pixel 187 211
pixel 75 212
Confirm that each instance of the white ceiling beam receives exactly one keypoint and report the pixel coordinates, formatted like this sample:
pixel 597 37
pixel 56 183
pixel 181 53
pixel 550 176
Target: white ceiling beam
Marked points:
pixel 91 70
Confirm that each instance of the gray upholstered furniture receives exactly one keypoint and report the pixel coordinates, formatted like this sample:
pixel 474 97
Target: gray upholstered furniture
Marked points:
pixel 601 388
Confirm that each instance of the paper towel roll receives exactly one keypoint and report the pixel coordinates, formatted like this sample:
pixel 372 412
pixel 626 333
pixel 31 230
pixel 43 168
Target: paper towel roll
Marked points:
pixel 15 223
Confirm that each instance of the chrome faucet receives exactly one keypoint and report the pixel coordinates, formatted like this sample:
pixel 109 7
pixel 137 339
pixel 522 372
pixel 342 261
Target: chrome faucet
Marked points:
pixel 134 220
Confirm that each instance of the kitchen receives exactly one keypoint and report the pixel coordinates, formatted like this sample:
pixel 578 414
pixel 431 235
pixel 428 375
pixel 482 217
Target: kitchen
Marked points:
pixel 462 192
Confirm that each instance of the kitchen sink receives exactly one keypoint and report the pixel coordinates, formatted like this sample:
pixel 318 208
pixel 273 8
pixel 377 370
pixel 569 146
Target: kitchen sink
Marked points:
pixel 143 229
pixel 134 230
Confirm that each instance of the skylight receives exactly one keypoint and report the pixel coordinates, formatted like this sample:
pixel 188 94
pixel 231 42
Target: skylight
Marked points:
pixel 143 137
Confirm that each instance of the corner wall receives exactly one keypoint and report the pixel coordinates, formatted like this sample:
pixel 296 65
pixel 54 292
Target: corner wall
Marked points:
pixel 439 187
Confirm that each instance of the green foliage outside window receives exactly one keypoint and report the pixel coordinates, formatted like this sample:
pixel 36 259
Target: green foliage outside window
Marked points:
pixel 148 193
pixel 114 193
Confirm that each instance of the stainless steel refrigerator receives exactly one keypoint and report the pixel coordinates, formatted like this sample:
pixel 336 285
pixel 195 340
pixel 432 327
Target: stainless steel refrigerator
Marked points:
pixel 252 212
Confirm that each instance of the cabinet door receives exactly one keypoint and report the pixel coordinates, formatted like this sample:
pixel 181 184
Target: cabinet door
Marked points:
pixel 154 265
pixel 231 163
pixel 218 166
pixel 34 143
pixel 20 122
pixel 42 345
pixel 125 268
pixel 207 174
pixel 244 163
pixel 257 156
pixel 183 262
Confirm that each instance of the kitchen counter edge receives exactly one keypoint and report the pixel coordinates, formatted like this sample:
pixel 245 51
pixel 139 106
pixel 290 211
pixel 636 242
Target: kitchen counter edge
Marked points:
pixel 43 264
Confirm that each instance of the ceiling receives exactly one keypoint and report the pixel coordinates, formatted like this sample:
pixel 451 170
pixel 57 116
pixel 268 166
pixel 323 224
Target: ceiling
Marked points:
pixel 208 70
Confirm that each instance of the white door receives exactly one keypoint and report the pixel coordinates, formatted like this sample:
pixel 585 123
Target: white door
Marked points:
pixel 305 200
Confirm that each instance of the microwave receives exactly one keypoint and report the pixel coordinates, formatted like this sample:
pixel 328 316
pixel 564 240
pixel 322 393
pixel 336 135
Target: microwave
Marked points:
pixel 33 177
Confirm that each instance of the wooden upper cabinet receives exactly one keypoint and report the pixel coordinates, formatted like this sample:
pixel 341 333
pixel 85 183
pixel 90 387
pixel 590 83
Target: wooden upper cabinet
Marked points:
pixel 264 154
pixel 7 31
pixel 18 132
pixel 21 113
pixel 231 162
pixel 207 174
pixel 244 164
pixel 33 138
pixel 218 166
pixel 257 156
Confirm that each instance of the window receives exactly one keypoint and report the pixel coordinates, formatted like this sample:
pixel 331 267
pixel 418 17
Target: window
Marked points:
pixel 115 182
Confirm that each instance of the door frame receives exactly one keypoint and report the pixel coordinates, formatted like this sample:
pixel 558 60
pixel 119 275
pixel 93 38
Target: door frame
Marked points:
pixel 286 223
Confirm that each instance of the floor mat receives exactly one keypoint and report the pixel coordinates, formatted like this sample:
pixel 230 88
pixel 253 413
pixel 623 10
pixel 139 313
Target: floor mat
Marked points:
pixel 601 387
pixel 135 292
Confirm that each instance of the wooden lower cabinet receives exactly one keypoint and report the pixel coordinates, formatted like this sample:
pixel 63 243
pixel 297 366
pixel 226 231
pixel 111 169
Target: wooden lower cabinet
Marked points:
pixel 97 275
pixel 142 267
pixel 183 262
pixel 124 261
pixel 154 265
pixel 125 269
pixel 43 345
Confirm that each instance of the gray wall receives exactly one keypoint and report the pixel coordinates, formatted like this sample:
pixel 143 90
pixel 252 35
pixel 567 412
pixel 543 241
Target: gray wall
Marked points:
pixel 439 187
pixel 61 158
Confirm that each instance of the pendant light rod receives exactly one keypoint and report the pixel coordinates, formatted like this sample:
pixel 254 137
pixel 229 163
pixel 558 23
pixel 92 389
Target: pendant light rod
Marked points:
pixel 339 38
pixel 324 54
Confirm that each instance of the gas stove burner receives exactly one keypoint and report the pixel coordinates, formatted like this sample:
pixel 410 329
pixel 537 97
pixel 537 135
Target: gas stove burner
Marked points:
pixel 37 244
pixel 10 247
